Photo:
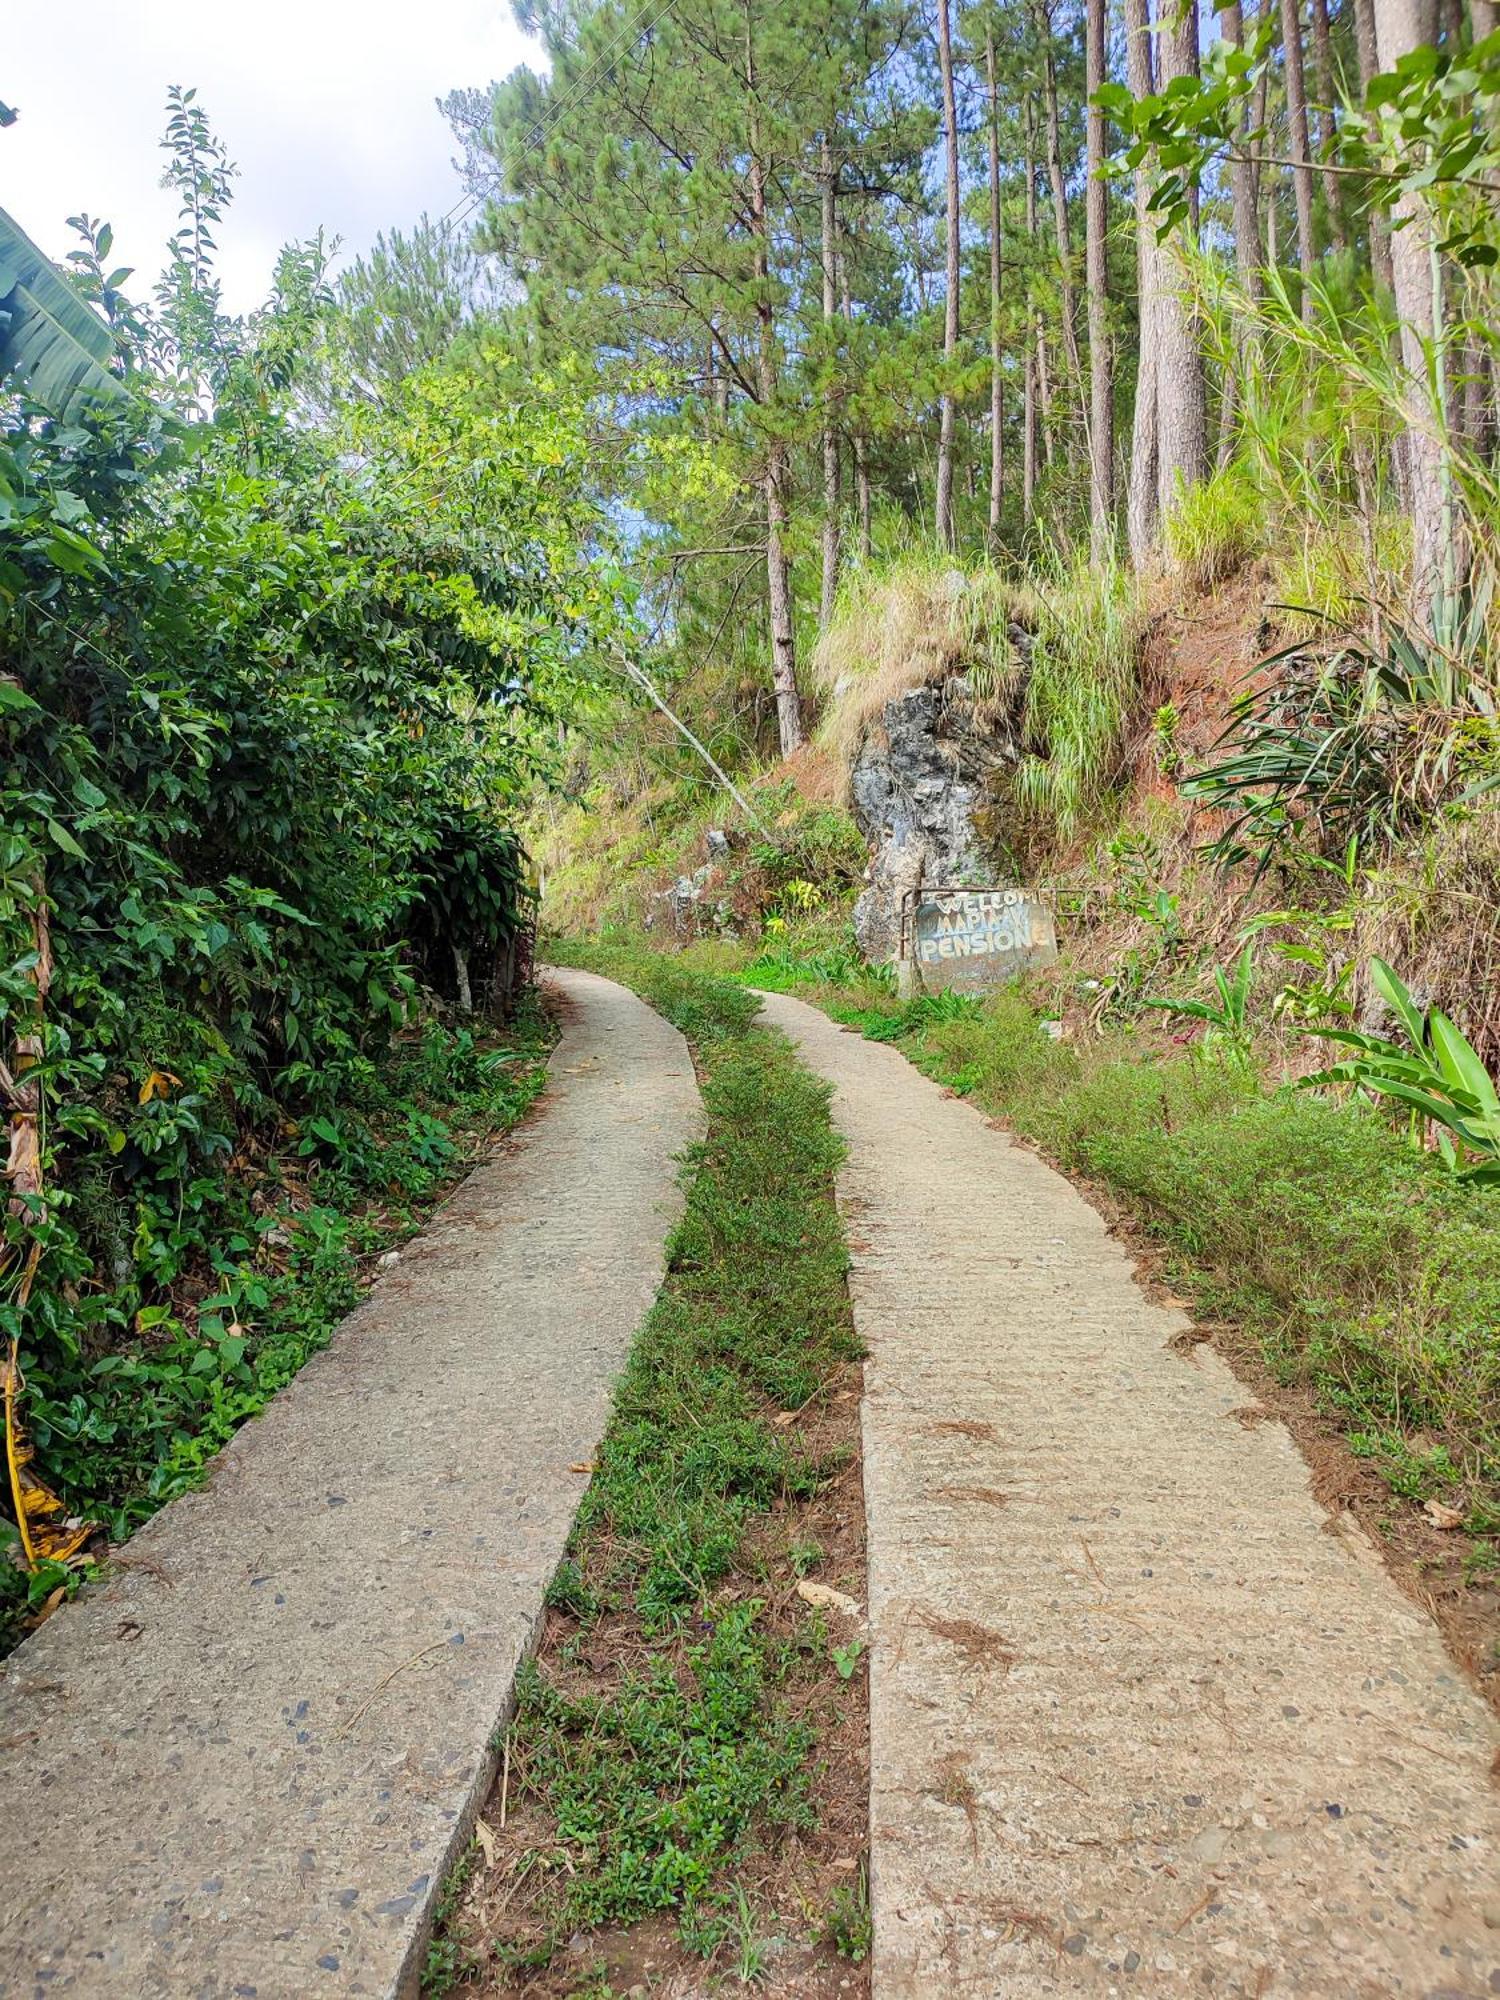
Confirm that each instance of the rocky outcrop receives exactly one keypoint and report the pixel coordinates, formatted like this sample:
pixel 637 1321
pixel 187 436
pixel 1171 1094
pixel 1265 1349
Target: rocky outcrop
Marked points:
pixel 918 785
pixel 696 904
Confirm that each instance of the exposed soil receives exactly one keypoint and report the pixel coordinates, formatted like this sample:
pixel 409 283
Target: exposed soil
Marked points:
pixel 1197 661
pixel 791 1879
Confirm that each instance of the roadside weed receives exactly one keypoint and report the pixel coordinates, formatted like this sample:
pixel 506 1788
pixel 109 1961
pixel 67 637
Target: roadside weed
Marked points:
pixel 1226 1017
pixel 848 1922
pixel 847 1658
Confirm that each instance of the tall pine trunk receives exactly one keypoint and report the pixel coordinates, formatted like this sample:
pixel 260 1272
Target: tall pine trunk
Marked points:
pixel 946 410
pixel 1031 419
pixel 1322 38
pixel 832 497
pixel 1369 66
pixel 1301 149
pixel 1060 224
pixel 1141 498
pixel 858 448
pixel 1101 358
pixel 1247 252
pixel 997 385
pixel 1247 247
pixel 1257 120
pixel 1044 390
pixel 1181 393
pixel 1400 27
pixel 773 477
pixel 1482 421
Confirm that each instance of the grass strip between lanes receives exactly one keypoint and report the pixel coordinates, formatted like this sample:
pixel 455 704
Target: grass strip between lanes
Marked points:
pixel 687 1751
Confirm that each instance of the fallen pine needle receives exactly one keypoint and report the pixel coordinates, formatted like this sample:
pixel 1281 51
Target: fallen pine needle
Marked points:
pixel 381 1685
pixel 1202 1904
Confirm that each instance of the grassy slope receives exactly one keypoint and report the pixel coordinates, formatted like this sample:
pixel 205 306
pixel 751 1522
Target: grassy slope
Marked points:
pixel 649 1784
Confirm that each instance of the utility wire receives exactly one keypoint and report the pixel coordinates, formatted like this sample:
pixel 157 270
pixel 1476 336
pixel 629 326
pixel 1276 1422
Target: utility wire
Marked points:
pixel 629 34
pixel 554 113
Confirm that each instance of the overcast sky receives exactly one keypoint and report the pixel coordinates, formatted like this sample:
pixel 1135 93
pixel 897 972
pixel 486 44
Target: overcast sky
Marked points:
pixel 327 107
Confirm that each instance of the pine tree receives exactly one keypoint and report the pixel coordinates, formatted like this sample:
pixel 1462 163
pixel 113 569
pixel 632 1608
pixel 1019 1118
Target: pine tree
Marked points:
pixel 945 529
pixel 1101 361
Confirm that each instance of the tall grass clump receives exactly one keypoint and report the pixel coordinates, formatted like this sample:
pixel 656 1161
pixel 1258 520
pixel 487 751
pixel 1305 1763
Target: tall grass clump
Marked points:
pixel 1319 405
pixel 1215 528
pixel 1079 693
pixel 905 626
pixel 1329 572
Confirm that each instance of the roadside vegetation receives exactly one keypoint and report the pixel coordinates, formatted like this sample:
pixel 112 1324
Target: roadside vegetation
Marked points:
pixel 278 655
pixel 687 1750
pixel 270 1259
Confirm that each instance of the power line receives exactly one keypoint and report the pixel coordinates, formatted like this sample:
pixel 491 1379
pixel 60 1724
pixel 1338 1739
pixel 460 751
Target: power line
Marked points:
pixel 454 215
pixel 554 113
pixel 629 34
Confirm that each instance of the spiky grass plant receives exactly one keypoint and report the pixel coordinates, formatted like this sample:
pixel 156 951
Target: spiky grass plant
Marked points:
pixel 1216 528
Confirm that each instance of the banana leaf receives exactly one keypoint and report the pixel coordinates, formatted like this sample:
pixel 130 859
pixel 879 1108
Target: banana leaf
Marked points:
pixel 50 341
pixel 1465 1073
pixel 1393 991
pixel 1193 1010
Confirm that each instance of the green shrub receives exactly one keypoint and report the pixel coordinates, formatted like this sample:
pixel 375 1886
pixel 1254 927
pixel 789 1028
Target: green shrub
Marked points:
pixel 1331 570
pixel 269 685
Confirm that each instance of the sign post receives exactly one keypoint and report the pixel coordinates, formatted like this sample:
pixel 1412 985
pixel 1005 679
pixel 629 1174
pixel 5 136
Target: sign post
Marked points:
pixel 972 939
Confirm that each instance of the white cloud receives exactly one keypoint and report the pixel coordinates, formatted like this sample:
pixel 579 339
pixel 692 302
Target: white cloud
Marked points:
pixel 327 107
